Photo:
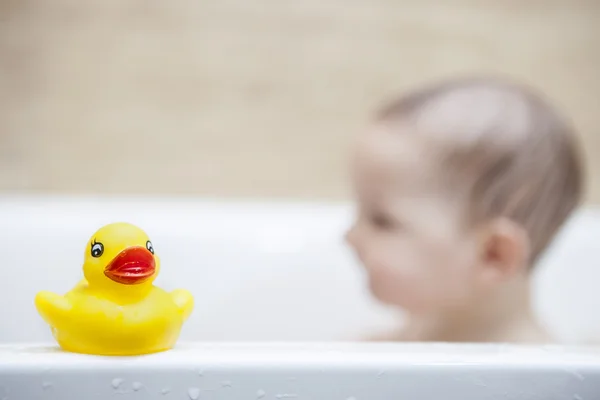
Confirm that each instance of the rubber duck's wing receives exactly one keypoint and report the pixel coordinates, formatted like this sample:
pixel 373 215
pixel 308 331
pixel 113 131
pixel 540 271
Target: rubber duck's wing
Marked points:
pixel 184 301
pixel 82 284
pixel 52 307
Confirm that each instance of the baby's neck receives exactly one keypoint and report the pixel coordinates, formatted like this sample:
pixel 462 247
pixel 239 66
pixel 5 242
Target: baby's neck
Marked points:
pixel 504 315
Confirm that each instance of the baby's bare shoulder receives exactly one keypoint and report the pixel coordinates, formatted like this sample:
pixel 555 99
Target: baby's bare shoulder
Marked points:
pixel 395 335
pixel 528 334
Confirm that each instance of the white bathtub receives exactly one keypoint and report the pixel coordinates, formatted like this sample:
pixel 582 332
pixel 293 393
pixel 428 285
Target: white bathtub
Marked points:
pixel 276 272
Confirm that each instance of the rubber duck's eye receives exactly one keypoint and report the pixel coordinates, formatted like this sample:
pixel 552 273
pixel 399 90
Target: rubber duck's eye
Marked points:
pixel 97 249
pixel 150 247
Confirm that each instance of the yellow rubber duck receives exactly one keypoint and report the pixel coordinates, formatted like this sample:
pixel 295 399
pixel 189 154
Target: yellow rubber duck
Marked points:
pixel 116 310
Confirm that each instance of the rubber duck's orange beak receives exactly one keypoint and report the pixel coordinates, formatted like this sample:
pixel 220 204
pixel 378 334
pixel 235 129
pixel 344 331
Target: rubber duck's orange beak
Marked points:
pixel 132 266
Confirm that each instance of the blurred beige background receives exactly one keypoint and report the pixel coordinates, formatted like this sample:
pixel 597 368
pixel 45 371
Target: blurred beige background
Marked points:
pixel 260 98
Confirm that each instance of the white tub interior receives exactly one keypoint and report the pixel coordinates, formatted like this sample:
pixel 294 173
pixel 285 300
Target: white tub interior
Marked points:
pixel 258 271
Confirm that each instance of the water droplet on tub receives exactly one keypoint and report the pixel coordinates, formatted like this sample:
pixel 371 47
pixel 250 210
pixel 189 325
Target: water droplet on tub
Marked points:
pixel 351 398
pixel 116 382
pixel 137 386
pixel 194 393
pixel 576 374
pixel 260 394
pixel 165 391
pixel 286 396
pixel 577 397
pixel 46 385
pixel 226 384
pixel 200 372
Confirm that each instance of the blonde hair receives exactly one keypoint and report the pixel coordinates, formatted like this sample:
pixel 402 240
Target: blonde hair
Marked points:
pixel 517 155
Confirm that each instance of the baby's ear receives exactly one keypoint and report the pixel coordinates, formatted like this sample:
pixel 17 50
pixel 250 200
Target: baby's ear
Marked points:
pixel 505 250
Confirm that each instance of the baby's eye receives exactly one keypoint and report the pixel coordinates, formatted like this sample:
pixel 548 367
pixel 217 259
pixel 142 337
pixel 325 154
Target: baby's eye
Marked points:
pixel 97 249
pixel 150 247
pixel 382 221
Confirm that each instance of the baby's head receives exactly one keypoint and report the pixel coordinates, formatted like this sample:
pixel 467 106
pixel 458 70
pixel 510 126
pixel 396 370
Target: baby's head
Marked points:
pixel 460 186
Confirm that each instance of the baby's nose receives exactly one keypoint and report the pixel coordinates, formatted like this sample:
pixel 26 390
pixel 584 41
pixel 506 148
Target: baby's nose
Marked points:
pixel 350 236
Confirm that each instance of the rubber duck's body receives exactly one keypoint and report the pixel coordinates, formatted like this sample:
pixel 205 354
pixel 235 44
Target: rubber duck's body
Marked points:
pixel 116 310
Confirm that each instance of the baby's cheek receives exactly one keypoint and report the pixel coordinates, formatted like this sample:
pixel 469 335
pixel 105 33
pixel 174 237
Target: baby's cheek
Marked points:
pixel 453 273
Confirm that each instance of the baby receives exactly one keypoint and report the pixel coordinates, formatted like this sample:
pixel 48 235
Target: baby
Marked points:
pixel 461 186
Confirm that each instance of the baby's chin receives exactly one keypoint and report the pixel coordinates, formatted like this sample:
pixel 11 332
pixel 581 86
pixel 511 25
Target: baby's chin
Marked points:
pixel 386 291
pixel 393 294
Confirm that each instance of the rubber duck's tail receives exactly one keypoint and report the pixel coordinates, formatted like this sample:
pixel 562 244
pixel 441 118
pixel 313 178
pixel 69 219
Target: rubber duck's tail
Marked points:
pixel 184 301
pixel 52 307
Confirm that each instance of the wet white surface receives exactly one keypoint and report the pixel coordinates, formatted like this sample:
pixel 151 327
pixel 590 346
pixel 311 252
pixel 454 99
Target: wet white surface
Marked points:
pixel 306 371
